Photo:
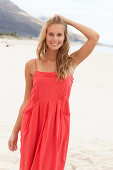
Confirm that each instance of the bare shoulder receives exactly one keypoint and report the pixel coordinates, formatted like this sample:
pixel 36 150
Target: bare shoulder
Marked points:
pixel 28 79
pixel 31 61
pixel 30 64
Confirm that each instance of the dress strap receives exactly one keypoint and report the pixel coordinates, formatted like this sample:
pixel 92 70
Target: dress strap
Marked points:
pixel 35 65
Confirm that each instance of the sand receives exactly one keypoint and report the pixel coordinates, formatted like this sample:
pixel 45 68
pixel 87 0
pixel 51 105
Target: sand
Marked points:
pixel 91 139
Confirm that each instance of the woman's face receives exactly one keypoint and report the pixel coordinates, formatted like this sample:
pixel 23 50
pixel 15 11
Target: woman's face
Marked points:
pixel 55 36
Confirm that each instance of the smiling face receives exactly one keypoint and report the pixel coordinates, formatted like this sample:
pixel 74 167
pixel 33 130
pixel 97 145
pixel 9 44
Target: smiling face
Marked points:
pixel 55 36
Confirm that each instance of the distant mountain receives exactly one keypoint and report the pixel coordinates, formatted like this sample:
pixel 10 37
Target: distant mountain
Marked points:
pixel 43 18
pixel 14 19
pixel 76 38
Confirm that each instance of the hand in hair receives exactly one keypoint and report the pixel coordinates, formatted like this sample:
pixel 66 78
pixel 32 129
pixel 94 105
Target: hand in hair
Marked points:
pixel 65 19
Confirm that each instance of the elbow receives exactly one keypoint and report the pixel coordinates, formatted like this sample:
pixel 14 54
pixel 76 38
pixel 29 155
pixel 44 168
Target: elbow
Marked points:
pixel 25 102
pixel 97 36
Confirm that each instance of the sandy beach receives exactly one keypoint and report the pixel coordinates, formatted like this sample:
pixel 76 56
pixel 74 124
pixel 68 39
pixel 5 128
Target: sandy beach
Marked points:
pixel 91 130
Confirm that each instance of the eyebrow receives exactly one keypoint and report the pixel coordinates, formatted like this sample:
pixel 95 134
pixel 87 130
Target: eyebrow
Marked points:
pixel 58 32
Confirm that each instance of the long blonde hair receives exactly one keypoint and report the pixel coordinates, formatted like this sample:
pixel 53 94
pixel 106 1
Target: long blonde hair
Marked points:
pixel 63 60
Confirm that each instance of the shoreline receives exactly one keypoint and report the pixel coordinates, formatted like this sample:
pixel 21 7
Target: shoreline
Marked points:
pixel 33 38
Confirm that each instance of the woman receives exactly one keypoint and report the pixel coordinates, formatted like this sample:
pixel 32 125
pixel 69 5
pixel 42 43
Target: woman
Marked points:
pixel 44 116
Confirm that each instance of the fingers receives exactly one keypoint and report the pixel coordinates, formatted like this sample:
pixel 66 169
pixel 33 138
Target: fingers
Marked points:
pixel 65 19
pixel 57 15
pixel 12 146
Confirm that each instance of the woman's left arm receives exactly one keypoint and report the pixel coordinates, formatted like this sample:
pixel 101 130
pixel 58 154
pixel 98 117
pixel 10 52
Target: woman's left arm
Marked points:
pixel 92 36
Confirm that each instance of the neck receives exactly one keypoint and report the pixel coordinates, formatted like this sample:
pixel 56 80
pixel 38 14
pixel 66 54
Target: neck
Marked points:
pixel 51 55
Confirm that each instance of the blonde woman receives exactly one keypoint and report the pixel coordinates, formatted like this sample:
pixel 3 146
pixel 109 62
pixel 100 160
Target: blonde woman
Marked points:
pixel 44 116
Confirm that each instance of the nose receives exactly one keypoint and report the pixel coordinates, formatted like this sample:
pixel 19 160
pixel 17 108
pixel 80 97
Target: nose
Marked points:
pixel 55 38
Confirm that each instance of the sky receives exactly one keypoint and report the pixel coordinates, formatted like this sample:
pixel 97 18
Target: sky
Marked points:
pixel 96 14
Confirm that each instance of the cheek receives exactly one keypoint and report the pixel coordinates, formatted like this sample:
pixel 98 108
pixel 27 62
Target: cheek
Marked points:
pixel 47 40
pixel 62 40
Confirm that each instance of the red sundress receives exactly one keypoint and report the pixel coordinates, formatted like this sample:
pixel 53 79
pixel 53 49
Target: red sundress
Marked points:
pixel 45 123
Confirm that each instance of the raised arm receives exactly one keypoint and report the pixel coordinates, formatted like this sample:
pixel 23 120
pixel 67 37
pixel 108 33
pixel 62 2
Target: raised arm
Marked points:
pixel 14 136
pixel 92 36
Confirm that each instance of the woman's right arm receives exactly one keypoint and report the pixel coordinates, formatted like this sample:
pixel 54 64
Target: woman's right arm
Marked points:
pixel 28 88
